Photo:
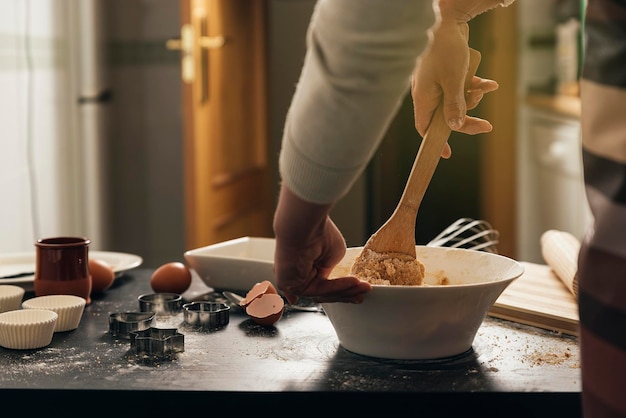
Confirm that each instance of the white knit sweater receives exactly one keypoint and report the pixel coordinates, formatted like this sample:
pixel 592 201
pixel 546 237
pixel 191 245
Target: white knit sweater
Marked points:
pixel 357 69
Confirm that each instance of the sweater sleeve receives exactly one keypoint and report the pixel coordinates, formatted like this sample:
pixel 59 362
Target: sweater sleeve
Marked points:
pixel 360 56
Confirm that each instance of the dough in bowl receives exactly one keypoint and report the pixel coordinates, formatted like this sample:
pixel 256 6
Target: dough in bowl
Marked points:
pixel 388 268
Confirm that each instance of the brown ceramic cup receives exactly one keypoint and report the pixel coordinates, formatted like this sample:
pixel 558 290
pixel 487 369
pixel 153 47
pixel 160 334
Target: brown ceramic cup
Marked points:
pixel 62 267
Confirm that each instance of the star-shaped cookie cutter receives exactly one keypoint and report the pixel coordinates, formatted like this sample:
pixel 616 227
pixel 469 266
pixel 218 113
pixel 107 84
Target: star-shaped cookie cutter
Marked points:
pixel 157 342
pixel 206 315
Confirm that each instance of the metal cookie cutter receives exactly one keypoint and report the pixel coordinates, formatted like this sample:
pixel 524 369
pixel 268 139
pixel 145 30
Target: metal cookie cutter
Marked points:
pixel 207 315
pixel 161 303
pixel 121 324
pixel 157 342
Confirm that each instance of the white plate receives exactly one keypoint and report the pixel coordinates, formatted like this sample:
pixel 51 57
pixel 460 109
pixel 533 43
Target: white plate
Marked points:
pixel 24 262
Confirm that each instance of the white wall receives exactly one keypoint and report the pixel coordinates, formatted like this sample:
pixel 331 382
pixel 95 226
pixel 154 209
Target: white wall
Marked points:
pixel 144 165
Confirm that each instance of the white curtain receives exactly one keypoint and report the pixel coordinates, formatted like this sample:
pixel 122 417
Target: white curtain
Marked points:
pixel 50 158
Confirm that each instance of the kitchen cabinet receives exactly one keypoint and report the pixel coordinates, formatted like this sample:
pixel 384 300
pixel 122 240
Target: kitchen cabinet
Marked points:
pixel 550 187
pixel 552 194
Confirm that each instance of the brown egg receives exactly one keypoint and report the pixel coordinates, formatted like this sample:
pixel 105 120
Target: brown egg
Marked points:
pixel 258 290
pixel 172 277
pixel 266 309
pixel 102 275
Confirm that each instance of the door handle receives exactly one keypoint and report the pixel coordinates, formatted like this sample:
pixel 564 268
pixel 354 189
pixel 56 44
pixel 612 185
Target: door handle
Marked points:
pixel 211 42
pixel 186 43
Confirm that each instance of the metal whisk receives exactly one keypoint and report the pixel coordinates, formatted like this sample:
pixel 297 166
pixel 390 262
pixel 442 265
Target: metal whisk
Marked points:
pixel 470 234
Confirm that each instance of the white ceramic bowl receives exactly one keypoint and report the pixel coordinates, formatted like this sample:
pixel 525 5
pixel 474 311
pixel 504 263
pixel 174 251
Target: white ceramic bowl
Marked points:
pixel 26 329
pixel 426 322
pixel 68 307
pixel 10 297
pixel 235 264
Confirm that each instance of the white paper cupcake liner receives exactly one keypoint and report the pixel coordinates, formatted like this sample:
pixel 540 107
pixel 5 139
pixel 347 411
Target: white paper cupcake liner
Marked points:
pixel 26 329
pixel 10 297
pixel 68 307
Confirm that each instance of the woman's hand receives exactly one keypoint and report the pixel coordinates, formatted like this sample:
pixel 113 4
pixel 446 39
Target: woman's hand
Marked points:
pixel 439 79
pixel 308 246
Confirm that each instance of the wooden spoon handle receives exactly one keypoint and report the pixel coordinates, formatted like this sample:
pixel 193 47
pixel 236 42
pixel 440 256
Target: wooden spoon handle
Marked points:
pixel 398 233
pixel 429 153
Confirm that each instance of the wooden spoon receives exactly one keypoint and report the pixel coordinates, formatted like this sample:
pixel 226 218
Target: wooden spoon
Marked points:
pixel 397 236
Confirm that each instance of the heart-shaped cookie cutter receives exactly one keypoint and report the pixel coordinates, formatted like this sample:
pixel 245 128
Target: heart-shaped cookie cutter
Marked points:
pixel 121 324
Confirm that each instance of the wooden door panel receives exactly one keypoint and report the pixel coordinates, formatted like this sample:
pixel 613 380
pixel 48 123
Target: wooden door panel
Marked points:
pixel 227 173
pixel 236 89
pixel 240 201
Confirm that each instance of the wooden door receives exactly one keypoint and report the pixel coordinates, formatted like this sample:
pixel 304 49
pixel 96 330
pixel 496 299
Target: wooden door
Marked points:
pixel 226 164
pixel 495 35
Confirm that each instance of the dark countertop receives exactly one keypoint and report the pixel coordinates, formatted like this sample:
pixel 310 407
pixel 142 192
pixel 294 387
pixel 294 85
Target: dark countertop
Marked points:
pixel 514 366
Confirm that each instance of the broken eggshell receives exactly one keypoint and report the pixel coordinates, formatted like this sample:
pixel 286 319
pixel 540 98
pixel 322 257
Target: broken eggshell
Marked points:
pixel 263 304
pixel 267 309
pixel 258 290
